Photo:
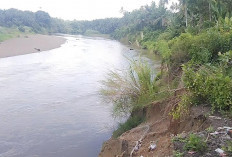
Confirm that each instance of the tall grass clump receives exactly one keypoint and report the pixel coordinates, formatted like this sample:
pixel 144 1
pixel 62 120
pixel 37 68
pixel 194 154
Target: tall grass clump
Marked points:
pixel 130 89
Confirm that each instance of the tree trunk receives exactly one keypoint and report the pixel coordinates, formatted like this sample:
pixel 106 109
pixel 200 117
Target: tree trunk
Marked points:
pixel 210 16
pixel 186 15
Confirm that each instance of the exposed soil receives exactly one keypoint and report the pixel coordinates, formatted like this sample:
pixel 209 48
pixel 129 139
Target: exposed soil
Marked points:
pixel 159 129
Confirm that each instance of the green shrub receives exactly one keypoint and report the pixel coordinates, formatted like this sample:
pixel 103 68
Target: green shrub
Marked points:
pixel 208 84
pixel 163 49
pixel 183 106
pixel 150 45
pixel 150 35
pixel 225 62
pixel 179 50
pixel 165 36
pixel 193 30
pixel 195 143
pixel 202 48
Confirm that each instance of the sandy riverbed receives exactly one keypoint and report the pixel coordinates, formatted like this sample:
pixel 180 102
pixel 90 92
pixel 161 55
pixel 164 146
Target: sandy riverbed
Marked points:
pixel 29 44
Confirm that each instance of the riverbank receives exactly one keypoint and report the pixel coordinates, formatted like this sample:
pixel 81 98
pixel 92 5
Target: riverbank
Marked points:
pixel 172 125
pixel 161 135
pixel 29 44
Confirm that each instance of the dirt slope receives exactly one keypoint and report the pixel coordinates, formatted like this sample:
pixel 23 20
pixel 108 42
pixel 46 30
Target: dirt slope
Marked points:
pixel 159 129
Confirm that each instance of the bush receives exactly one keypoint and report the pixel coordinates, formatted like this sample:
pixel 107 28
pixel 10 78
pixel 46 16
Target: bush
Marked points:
pixel 150 45
pixel 202 48
pixel 182 109
pixel 163 49
pixel 195 143
pixel 179 50
pixel 208 84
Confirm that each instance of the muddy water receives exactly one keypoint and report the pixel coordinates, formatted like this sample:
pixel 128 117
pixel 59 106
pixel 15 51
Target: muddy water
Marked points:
pixel 49 101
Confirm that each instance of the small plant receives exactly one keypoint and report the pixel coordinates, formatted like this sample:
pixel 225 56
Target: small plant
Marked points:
pixel 210 129
pixel 182 108
pixel 129 124
pixel 228 147
pixel 178 138
pixel 178 154
pixel 195 143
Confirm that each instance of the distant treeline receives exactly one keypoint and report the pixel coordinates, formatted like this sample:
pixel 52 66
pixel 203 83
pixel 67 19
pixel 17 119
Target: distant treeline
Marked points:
pixel 36 21
pixel 149 19
pixel 42 22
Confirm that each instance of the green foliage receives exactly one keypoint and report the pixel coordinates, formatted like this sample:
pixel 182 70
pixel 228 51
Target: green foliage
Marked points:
pixel 210 129
pixel 7 33
pixel 131 89
pixel 195 143
pixel 178 154
pixel 150 45
pixel 21 29
pixel 228 147
pixel 132 122
pixel 163 49
pixel 225 63
pixel 38 21
pixel 178 138
pixel 201 49
pixel 183 106
pixel 210 85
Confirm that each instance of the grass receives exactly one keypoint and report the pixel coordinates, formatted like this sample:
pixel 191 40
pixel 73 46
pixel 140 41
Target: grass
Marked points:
pixel 131 89
pixel 8 33
pixel 132 122
pixel 228 147
pixel 178 154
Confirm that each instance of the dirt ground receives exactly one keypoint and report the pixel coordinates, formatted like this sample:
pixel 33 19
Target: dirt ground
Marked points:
pixel 159 129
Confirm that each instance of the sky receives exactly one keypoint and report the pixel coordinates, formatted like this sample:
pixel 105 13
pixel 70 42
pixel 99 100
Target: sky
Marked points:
pixel 76 9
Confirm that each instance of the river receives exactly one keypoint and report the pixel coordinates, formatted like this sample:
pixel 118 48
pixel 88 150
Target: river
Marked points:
pixel 49 101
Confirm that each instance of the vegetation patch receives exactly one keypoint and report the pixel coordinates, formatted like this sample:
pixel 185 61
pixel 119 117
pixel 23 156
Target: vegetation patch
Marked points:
pixel 195 143
pixel 131 89
pixel 131 123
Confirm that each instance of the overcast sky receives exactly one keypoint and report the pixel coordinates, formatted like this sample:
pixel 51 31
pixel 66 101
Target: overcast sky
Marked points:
pixel 76 9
